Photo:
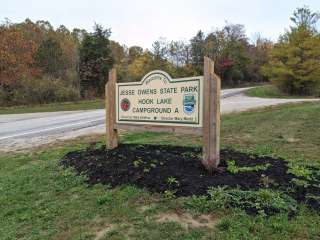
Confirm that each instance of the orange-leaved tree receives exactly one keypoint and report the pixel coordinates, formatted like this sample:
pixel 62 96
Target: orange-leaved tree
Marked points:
pixel 16 56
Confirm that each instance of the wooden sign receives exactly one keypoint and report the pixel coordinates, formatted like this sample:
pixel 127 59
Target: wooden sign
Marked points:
pixel 160 100
pixel 162 104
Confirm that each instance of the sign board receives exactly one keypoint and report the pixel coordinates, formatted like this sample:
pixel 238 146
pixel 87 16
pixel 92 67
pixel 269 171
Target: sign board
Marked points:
pixel 159 100
pixel 160 104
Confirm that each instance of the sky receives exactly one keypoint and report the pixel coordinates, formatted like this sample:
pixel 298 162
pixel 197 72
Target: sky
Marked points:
pixel 141 22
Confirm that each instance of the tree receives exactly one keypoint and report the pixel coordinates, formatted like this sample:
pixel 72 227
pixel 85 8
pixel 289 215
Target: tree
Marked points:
pixel 118 52
pixel 141 65
pixel 134 52
pixel 229 48
pixel 160 49
pixel 294 65
pixel 214 44
pixel 198 49
pixel 305 18
pixel 259 56
pixel 49 57
pixel 95 61
pixel 16 55
pixel 178 53
pixel 79 34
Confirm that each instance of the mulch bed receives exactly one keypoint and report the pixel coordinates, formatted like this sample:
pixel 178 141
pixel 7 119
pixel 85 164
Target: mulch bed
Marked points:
pixel 150 166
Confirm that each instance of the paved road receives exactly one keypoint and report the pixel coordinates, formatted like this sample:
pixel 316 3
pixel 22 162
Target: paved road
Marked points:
pixel 19 131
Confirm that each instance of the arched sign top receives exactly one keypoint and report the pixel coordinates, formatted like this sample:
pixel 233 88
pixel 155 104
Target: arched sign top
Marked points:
pixel 156 75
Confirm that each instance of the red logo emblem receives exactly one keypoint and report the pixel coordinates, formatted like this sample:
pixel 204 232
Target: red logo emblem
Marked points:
pixel 125 104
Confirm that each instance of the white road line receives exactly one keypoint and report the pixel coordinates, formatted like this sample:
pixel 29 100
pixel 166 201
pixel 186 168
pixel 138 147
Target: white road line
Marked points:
pixel 49 129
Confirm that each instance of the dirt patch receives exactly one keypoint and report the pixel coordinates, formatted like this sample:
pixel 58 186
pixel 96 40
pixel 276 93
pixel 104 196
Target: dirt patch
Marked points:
pixel 162 168
pixel 100 234
pixel 187 221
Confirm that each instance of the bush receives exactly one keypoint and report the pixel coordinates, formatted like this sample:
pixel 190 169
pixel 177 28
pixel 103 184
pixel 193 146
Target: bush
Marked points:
pixel 38 91
pixel 262 201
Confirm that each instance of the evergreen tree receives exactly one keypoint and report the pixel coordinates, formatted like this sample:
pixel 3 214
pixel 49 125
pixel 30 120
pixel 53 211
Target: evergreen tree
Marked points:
pixel 95 61
pixel 294 62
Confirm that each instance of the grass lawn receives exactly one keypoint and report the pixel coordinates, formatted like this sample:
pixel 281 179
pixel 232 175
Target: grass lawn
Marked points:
pixel 53 107
pixel 41 200
pixel 269 91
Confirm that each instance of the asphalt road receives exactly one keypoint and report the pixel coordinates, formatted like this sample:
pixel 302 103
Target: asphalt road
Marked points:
pixel 20 131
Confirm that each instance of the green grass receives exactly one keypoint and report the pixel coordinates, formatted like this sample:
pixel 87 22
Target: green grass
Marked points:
pixel 41 200
pixel 53 107
pixel 270 91
pixel 290 131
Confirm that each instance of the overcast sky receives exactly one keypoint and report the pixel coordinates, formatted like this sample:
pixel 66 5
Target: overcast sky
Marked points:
pixel 140 22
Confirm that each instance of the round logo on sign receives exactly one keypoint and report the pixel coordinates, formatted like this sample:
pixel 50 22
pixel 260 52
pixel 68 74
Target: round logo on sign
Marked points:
pixel 125 104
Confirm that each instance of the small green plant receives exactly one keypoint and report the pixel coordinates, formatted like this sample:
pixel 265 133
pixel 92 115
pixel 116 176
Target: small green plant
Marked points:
pixel 172 181
pixel 154 161
pixel 105 199
pixel 146 170
pixel 168 194
pixel 198 203
pixel 137 163
pixel 225 225
pixel 152 165
pixel 219 197
pixel 264 150
pixel 262 202
pixel 300 182
pixel 233 168
pixel 301 171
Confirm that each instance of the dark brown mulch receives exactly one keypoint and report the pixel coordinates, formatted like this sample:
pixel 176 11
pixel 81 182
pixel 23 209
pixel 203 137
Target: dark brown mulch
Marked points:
pixel 150 167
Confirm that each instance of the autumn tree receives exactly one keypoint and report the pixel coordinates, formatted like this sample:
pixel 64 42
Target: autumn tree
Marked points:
pixel 37 63
pixel 259 53
pixel 140 66
pixel 229 48
pixel 16 55
pixel 57 59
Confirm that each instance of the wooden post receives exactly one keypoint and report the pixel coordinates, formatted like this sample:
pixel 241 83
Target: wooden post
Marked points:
pixel 211 116
pixel 111 131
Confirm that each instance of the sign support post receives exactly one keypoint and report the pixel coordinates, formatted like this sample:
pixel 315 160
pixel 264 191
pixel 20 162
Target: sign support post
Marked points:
pixel 211 117
pixel 111 130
